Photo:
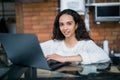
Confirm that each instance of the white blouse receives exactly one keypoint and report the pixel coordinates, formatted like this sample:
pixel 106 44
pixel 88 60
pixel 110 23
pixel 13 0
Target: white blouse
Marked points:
pixel 88 50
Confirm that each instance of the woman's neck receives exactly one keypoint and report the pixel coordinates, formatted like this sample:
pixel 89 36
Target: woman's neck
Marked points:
pixel 70 42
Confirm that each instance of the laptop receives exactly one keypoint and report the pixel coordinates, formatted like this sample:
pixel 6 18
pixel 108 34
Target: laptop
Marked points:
pixel 24 49
pixel 3 68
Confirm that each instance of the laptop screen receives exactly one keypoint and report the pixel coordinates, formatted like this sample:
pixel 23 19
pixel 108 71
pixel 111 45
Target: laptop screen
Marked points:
pixel 23 49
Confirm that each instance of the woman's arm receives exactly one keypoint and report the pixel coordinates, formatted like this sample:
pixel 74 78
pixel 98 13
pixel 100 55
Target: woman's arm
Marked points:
pixel 46 47
pixel 64 58
pixel 93 54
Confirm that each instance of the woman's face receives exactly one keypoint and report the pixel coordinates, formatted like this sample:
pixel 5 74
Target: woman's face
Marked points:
pixel 67 25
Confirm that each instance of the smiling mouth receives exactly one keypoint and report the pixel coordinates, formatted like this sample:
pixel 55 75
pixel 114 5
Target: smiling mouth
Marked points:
pixel 66 33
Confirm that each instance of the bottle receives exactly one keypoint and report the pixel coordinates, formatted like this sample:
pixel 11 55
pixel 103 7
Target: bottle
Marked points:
pixel 106 46
pixel 112 52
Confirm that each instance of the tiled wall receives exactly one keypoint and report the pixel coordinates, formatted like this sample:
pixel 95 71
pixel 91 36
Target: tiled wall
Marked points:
pixel 38 18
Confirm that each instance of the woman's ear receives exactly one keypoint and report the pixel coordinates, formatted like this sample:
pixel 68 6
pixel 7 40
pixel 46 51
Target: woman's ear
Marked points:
pixel 76 26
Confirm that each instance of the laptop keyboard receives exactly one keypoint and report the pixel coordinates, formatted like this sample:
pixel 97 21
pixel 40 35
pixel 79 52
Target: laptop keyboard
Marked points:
pixel 3 68
pixel 55 64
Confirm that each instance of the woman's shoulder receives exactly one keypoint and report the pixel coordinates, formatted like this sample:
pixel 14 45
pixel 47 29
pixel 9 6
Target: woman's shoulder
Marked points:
pixel 86 41
pixel 52 42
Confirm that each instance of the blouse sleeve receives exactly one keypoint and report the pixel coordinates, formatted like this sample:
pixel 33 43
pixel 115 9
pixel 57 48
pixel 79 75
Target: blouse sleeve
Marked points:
pixel 93 54
pixel 46 47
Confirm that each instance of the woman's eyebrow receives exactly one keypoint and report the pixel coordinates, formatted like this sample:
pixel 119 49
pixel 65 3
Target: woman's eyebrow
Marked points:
pixel 65 21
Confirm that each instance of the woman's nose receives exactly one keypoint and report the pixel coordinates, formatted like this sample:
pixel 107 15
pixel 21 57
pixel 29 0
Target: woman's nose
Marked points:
pixel 65 27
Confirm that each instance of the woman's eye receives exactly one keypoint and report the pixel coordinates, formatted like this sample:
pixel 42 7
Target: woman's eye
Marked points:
pixel 69 23
pixel 61 24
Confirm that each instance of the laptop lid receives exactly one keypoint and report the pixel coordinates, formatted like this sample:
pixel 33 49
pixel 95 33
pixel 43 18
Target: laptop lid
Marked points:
pixel 24 49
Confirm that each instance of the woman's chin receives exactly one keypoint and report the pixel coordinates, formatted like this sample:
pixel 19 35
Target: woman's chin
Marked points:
pixel 67 36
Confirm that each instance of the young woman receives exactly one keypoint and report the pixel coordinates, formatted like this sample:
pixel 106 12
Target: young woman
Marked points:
pixel 71 42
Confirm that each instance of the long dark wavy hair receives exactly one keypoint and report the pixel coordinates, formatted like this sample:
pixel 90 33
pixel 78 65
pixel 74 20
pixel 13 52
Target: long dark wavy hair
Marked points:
pixel 80 33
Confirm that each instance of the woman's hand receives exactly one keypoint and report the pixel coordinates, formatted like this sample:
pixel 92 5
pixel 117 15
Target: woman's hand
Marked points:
pixel 55 57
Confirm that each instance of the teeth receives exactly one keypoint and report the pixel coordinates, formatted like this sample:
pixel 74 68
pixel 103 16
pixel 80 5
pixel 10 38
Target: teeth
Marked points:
pixel 66 33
